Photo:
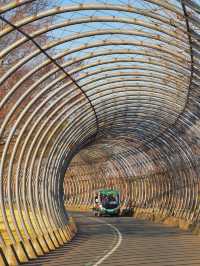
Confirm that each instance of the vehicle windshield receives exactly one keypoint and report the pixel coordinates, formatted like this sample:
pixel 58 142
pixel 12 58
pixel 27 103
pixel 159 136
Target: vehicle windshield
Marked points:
pixel 109 201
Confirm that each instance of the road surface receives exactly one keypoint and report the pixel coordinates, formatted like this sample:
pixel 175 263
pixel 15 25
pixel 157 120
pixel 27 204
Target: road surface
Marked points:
pixel 124 241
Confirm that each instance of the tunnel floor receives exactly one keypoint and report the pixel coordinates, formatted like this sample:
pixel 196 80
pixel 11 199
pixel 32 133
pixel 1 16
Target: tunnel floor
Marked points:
pixel 124 241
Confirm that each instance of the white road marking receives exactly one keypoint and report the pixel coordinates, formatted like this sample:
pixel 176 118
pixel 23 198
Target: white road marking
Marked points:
pixel 114 248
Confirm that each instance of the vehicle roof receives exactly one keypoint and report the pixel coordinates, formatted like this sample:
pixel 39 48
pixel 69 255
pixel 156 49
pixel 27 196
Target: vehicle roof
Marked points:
pixel 108 191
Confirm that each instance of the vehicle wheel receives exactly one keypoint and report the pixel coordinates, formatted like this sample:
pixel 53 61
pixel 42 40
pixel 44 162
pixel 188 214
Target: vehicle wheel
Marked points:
pixel 95 214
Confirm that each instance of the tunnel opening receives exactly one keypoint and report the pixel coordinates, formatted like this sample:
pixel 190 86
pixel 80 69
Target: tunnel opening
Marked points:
pixel 153 183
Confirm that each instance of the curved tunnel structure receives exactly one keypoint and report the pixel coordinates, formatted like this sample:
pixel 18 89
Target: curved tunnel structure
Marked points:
pixel 110 87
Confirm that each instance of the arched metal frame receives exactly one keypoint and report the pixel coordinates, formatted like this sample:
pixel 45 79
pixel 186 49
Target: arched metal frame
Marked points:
pixel 121 102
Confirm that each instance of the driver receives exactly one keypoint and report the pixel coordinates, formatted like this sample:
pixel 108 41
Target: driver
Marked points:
pixel 96 200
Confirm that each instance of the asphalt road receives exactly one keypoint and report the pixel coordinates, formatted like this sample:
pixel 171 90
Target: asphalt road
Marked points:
pixel 124 241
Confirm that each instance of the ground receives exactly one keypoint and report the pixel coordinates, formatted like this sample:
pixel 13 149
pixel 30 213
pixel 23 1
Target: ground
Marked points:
pixel 124 241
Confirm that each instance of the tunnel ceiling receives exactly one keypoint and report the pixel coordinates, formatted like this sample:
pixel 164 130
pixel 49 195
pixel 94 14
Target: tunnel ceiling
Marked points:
pixel 131 62
pixel 116 82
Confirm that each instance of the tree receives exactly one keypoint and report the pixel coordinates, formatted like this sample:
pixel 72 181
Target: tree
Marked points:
pixel 17 54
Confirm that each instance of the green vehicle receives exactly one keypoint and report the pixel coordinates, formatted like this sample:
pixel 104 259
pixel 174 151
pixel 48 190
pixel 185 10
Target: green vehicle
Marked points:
pixel 107 202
